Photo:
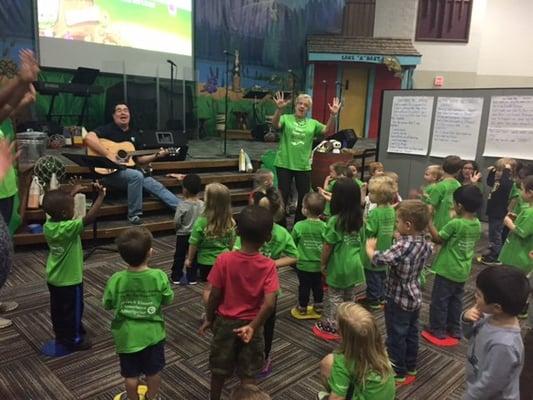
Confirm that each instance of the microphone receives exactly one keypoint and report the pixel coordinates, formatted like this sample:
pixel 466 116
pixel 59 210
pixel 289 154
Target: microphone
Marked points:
pixel 171 62
pixel 229 53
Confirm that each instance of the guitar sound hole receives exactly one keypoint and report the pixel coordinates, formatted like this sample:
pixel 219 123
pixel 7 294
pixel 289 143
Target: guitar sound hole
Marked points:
pixel 122 154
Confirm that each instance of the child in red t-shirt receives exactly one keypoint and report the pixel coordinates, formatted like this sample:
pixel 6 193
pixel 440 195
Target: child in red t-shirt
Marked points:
pixel 244 288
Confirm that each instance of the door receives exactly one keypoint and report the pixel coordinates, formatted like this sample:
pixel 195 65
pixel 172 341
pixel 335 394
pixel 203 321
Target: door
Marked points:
pixel 354 92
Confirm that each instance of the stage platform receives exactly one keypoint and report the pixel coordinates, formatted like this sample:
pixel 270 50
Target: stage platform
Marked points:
pixel 205 158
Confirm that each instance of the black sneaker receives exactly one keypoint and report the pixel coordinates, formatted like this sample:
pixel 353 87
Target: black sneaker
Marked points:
pixel 490 261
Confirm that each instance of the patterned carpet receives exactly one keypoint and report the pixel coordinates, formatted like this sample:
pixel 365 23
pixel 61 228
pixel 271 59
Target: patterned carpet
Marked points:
pixel 26 374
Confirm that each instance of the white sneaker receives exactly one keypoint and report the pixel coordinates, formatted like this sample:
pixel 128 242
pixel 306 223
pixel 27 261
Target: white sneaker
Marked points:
pixel 4 323
pixel 7 306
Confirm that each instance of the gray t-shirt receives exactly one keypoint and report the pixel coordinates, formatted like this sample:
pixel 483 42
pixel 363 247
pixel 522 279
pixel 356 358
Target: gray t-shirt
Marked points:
pixel 187 212
pixel 494 361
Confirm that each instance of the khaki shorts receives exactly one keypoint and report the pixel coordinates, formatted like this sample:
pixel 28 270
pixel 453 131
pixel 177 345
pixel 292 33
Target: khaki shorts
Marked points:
pixel 230 354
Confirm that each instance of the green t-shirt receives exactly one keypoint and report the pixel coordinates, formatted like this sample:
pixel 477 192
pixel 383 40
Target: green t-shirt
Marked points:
pixel 137 298
pixel 307 235
pixel 454 260
pixel 520 242
pixel 359 182
pixel 8 185
pixel 64 266
pixel 209 247
pixel 515 192
pixel 375 387
pixel 345 268
pixel 329 188
pixel 441 199
pixel 296 142
pixel 379 224
pixel 426 192
pixel 281 244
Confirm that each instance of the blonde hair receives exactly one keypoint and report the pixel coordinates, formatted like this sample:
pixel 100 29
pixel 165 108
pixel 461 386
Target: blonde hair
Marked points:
pixel 217 210
pixel 502 162
pixel 435 170
pixel 373 166
pixel 305 97
pixel 261 176
pixel 383 189
pixel 362 344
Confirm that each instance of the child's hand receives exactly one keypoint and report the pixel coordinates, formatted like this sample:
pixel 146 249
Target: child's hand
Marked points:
pixel 77 186
pixel 179 177
pixel 324 270
pixel 512 216
pixel 187 263
pixel 205 326
pixel 101 189
pixel 472 314
pixel 476 177
pixel 371 244
pixel 245 333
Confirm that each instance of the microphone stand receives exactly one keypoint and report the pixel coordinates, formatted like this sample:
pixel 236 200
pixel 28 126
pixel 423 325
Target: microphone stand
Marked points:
pixel 227 54
pixel 325 83
pixel 293 87
pixel 172 65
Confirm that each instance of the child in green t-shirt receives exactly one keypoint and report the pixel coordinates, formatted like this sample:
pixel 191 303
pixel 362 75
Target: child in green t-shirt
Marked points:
pixel 441 196
pixel 307 235
pixel 360 368
pixel 212 233
pixel 379 224
pixel 432 175
pixel 64 266
pixel 453 264
pixel 137 294
pixel 341 254
pixel 336 171
pixel 351 172
pixel 520 240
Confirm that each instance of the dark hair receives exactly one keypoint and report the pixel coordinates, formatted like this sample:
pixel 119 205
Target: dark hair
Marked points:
pixel 469 197
pixel 461 177
pixel 346 203
pixel 506 286
pixel 134 244
pixel 314 203
pixel 339 168
pixel 275 202
pixel 254 225
pixel 526 170
pixel 193 183
pixel 414 211
pixel 119 103
pixel 452 165
pixel 58 204
pixel 527 183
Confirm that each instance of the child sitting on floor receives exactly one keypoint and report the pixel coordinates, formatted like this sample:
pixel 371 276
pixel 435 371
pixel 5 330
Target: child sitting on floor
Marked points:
pixel 452 266
pixel 379 224
pixel 212 233
pixel 263 180
pixel 496 352
pixel 187 212
pixel 307 237
pixel 341 254
pixel 441 197
pixel 244 286
pixel 406 259
pixel 360 367
pixel 64 266
pixel 137 294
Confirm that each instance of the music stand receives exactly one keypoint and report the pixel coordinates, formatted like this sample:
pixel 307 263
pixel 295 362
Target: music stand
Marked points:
pixel 93 162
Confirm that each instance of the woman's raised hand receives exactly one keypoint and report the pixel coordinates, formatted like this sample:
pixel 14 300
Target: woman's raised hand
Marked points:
pixel 335 106
pixel 280 100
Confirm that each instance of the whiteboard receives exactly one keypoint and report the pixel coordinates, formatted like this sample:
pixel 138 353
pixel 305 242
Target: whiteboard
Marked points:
pixel 410 124
pixel 456 129
pixel 510 127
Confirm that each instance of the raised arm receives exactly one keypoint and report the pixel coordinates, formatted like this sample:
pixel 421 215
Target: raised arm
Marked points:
pixel 93 211
pixel 281 103
pixel 334 110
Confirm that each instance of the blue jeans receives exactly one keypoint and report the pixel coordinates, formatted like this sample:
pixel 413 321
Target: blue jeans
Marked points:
pixel 134 182
pixel 446 306
pixel 495 236
pixel 402 337
pixel 375 285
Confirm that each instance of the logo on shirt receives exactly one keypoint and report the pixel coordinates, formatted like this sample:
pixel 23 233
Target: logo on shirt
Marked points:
pixel 151 310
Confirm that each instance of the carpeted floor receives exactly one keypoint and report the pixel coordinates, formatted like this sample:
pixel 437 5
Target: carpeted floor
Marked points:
pixel 26 374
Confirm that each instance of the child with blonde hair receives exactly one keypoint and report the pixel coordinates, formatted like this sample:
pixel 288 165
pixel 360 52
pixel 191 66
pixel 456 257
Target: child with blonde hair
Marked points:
pixel 341 254
pixel 432 175
pixel 379 224
pixel 360 367
pixel 263 180
pixel 376 168
pixel 212 233
pixel 396 181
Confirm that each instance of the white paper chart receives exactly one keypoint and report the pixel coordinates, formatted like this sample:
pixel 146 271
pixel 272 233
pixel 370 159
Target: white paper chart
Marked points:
pixel 410 124
pixel 510 128
pixel 456 128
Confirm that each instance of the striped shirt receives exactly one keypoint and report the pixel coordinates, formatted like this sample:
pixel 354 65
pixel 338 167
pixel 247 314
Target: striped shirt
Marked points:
pixel 406 259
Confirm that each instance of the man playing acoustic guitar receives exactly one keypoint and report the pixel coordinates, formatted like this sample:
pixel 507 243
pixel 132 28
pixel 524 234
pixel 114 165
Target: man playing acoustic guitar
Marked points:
pixel 131 179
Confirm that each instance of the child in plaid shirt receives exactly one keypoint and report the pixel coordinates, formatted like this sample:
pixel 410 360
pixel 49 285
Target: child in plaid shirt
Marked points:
pixel 406 259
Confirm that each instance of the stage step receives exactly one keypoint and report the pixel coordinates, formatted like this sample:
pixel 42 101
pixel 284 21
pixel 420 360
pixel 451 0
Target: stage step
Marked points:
pixel 117 208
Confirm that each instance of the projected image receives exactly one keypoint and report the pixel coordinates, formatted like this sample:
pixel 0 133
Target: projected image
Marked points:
pixel 157 25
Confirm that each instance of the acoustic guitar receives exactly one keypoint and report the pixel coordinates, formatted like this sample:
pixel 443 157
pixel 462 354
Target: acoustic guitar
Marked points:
pixel 123 153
